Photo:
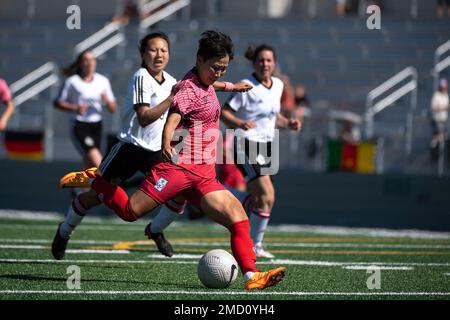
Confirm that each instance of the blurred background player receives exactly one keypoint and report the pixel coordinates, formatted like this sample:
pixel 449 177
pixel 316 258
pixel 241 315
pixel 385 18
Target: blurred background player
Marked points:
pixel 439 113
pixel 6 98
pixel 192 172
pixel 255 114
pixel 83 94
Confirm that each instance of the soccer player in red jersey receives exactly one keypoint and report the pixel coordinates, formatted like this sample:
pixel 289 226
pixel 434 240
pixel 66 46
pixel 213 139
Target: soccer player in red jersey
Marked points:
pixel 189 169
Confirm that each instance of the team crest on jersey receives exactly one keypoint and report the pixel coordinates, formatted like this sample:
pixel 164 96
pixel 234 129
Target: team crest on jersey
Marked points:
pixel 160 184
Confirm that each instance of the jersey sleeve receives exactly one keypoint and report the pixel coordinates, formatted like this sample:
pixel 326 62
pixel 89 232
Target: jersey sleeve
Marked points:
pixel 183 100
pixel 142 90
pixel 64 92
pixel 237 100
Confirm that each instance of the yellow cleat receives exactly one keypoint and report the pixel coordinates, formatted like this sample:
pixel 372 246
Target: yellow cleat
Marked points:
pixel 78 179
pixel 262 280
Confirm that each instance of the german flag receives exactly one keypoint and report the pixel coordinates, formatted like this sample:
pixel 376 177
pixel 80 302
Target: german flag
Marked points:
pixel 24 145
pixel 353 157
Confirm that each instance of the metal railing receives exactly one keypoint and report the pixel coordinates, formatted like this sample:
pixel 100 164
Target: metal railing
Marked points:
pixel 374 108
pixel 103 40
pixel 163 13
pixel 440 65
pixel 49 70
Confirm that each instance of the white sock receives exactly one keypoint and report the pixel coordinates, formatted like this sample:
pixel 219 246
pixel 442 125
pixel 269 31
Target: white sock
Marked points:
pixel 72 219
pixel 248 275
pixel 258 226
pixel 163 219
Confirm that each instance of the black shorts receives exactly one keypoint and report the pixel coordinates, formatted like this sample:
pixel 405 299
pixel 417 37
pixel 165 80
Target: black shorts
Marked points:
pixel 251 156
pixel 441 2
pixel 125 159
pixel 87 136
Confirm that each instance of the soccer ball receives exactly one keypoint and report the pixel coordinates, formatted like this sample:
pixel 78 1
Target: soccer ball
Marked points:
pixel 217 269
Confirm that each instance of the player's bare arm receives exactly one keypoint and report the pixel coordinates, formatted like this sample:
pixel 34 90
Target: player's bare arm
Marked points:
pixel 237 87
pixel 110 104
pixel 292 124
pixel 71 107
pixel 147 115
pixel 169 128
pixel 229 118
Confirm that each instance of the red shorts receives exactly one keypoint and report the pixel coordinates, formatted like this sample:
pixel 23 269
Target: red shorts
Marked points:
pixel 166 180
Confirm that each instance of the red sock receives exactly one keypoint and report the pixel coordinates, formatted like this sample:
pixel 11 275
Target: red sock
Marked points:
pixel 114 197
pixel 242 246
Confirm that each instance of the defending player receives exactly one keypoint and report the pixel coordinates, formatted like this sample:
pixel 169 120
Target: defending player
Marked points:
pixel 255 114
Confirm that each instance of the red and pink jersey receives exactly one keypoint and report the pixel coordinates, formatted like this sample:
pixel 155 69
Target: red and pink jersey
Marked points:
pixel 199 125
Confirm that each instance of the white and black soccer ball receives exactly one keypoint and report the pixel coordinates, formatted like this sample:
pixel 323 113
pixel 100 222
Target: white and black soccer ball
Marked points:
pixel 217 269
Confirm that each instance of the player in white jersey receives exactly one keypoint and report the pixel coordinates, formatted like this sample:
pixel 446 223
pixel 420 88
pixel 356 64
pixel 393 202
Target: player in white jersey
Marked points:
pixel 139 147
pixel 254 115
pixel 83 93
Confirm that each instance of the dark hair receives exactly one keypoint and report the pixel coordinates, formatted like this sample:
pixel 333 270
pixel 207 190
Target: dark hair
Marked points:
pixel 214 44
pixel 253 50
pixel 143 42
pixel 74 68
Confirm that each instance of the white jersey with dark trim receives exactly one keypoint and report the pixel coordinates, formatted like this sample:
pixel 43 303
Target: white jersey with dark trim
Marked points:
pixel 144 89
pixel 260 105
pixel 78 91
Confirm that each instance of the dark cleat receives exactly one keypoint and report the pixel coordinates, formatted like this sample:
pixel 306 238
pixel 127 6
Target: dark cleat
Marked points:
pixel 59 245
pixel 163 245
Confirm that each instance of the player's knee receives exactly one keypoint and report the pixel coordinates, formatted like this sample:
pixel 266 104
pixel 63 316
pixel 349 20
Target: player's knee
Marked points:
pixel 236 211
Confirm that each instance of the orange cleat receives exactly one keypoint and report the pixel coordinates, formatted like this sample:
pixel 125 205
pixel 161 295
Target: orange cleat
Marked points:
pixel 78 179
pixel 262 280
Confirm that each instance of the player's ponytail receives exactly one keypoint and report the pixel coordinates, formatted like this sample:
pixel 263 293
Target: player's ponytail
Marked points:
pixel 253 51
pixel 75 67
pixel 250 52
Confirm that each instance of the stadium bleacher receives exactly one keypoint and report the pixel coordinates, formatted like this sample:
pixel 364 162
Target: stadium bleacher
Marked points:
pixel 339 61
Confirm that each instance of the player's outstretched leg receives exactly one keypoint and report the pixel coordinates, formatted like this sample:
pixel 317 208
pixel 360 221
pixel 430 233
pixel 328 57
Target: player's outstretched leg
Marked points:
pixel 113 196
pixel 75 214
pixel 225 209
pixel 168 213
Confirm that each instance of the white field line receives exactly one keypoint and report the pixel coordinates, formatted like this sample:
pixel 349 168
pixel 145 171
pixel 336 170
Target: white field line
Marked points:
pixel 193 260
pixel 323 245
pixel 98 251
pixel 82 227
pixel 329 230
pixel 38 247
pixel 272 245
pixel 234 293
pixel 377 267
pixel 44 241
pixel 368 232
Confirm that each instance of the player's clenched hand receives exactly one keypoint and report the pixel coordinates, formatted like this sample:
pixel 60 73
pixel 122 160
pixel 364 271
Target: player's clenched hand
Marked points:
pixel 242 87
pixel 81 108
pixel 167 153
pixel 295 125
pixel 247 125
